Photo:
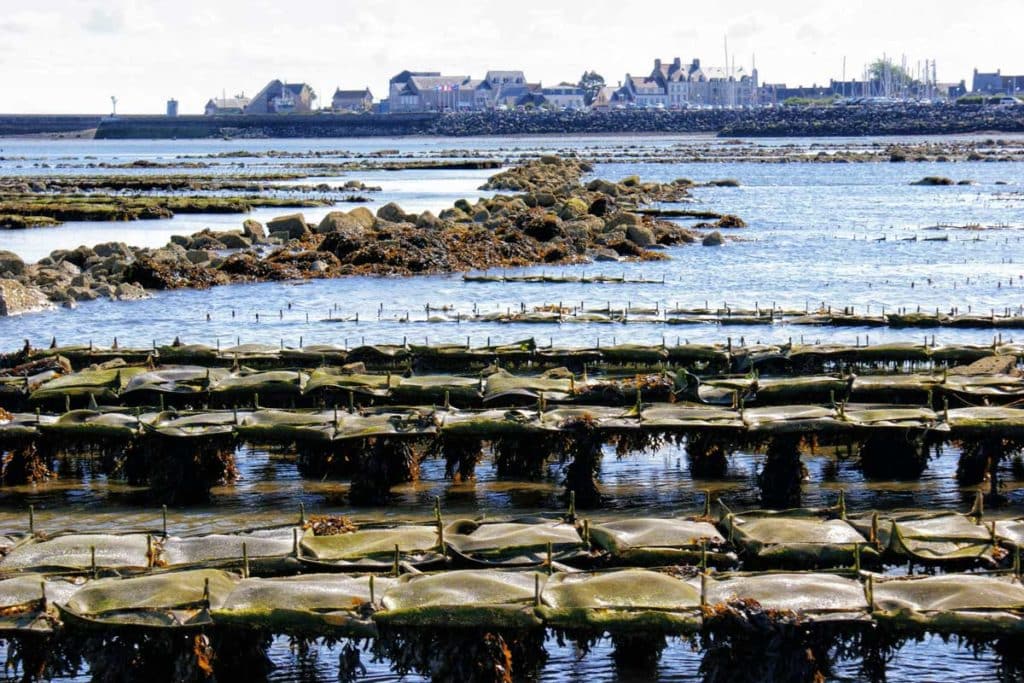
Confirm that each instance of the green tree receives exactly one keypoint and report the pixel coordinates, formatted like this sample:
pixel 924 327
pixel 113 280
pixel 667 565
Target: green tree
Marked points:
pixel 590 83
pixel 881 69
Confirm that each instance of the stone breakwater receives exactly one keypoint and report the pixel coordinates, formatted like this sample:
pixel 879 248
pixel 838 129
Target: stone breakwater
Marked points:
pixel 777 121
pixel 551 219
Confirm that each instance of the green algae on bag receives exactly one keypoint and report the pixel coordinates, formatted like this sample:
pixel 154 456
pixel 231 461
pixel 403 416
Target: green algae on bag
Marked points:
pixel 372 547
pixel 931 537
pixel 412 423
pixel 83 425
pixel 437 389
pixel 962 604
pixel 194 425
pixel 199 354
pixel 813 596
pixel 796 539
pixel 981 421
pixel 279 426
pixel 490 424
pixel 315 354
pixel 790 390
pixel 652 542
pixel 102 385
pixel 902 417
pixel 272 385
pixel 792 419
pixel 634 353
pixel 514 543
pixel 328 381
pixel 332 604
pixel 502 386
pixel 184 381
pixel 260 544
pixel 622 600
pixel 678 416
pixel 165 600
pixel 485 598
pixel 22 604
pixel 76 552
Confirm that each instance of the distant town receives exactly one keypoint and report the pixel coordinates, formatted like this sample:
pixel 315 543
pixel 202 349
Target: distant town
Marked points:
pixel 670 84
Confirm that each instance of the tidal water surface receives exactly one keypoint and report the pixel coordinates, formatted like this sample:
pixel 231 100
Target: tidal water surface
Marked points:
pixel 815 237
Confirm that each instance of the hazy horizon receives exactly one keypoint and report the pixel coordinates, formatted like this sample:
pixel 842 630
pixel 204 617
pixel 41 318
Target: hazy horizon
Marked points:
pixel 70 57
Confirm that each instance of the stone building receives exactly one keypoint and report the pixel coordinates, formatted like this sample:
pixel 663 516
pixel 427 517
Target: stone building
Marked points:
pixel 222 106
pixel 352 101
pixel 278 97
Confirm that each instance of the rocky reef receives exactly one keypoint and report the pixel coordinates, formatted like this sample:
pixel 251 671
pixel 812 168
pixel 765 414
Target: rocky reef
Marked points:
pixel 543 215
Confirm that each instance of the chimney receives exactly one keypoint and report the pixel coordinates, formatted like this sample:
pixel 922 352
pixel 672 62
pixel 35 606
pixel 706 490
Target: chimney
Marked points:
pixel 657 65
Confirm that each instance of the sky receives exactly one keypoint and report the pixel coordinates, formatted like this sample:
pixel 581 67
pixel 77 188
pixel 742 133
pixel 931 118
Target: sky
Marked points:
pixel 71 56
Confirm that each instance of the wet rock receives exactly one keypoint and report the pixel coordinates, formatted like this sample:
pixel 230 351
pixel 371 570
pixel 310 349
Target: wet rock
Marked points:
pixel 254 230
pixel 181 241
pixel 623 219
pixel 207 241
pixel 118 249
pixel 429 221
pixel 573 208
pixel 364 216
pixel 599 207
pixel 104 291
pixel 82 294
pixel 11 264
pixel 934 181
pixel 16 298
pixel 544 199
pixel 80 255
pixel 293 224
pixel 455 215
pixel 234 240
pixel 68 268
pixel 604 187
pixel 543 227
pixel 392 213
pixel 640 235
pixel 630 181
pixel 339 221
pixel 82 280
pixel 731 221
pixel 603 255
pixel 713 239
pixel 199 256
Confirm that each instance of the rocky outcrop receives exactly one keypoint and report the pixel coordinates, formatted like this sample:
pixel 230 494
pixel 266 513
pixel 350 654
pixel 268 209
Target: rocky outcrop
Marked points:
pixel 555 220
pixel 16 298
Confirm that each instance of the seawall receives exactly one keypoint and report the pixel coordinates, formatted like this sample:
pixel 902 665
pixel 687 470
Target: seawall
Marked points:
pixel 781 122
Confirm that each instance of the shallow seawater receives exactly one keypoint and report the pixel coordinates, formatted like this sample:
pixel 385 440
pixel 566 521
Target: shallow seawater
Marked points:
pixel 815 237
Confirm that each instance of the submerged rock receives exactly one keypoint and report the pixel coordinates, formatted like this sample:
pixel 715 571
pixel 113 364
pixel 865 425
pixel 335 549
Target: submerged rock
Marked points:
pixel 934 181
pixel 713 239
